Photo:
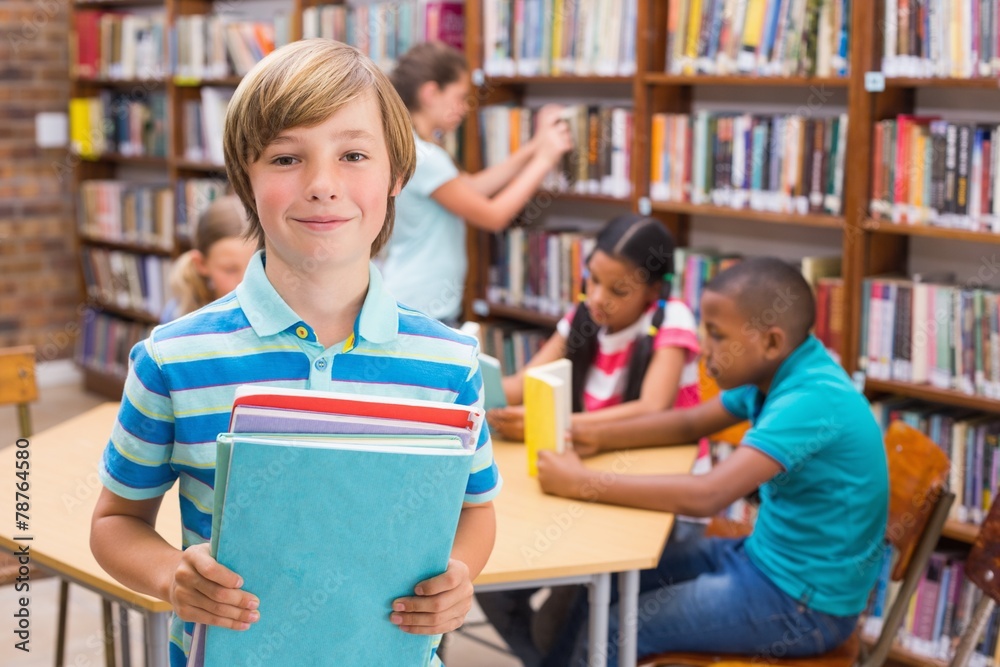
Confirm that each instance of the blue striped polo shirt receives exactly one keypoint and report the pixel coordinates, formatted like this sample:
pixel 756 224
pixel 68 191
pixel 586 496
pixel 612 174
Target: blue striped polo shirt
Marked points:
pixel 182 380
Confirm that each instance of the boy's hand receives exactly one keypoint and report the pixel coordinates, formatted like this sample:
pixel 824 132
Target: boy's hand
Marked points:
pixel 563 474
pixel 507 422
pixel 205 592
pixel 440 605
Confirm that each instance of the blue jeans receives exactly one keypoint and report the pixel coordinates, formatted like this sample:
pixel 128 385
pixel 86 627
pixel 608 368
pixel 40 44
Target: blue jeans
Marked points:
pixel 706 595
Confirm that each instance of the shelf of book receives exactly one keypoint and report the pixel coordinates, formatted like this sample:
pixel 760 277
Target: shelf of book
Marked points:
pixel 802 220
pixel 911 82
pixel 885 227
pixel 128 246
pixel 519 314
pixel 663 79
pixel 546 80
pixel 205 167
pixel 115 4
pixel 126 313
pixel 900 656
pixel 148 84
pixel 580 196
pixel 963 532
pixel 935 395
pixel 231 81
pixel 134 160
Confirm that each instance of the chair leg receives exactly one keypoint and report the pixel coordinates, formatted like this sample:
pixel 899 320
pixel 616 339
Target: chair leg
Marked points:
pixel 125 642
pixel 109 633
pixel 61 623
pixel 980 617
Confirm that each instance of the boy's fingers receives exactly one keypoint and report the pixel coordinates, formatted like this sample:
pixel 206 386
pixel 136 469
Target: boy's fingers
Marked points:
pixel 195 614
pixel 210 569
pixel 453 577
pixel 228 596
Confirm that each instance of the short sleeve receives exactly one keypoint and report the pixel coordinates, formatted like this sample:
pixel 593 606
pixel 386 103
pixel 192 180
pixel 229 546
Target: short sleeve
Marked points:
pixel 136 461
pixel 434 169
pixel 791 429
pixel 678 330
pixel 565 325
pixel 738 401
pixel 484 480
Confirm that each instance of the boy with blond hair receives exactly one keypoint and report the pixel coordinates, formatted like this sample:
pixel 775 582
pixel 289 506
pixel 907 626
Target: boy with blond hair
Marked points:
pixel 317 145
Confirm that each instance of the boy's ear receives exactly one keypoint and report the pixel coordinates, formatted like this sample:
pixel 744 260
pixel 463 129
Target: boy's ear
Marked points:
pixel 198 259
pixel 774 340
pixel 397 187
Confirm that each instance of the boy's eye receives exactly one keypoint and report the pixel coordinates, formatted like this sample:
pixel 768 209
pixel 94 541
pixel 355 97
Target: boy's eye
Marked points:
pixel 354 157
pixel 283 161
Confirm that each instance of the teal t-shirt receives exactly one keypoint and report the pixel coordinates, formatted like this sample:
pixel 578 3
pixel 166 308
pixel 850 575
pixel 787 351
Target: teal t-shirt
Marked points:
pixel 822 520
pixel 425 261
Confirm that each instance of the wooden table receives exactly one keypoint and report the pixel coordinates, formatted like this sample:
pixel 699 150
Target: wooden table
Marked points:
pixel 545 540
pixel 63 492
pixel 541 540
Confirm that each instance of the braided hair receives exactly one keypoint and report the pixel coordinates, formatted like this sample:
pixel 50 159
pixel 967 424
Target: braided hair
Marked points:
pixel 646 244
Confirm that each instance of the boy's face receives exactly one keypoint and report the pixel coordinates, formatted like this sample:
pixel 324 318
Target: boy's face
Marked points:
pixel 735 355
pixel 321 191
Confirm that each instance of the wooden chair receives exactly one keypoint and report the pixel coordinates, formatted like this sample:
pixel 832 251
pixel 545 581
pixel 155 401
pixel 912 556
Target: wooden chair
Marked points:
pixel 982 568
pixel 918 508
pixel 18 387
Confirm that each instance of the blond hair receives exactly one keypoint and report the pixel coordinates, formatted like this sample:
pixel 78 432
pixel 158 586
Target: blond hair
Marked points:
pixel 301 85
pixel 225 218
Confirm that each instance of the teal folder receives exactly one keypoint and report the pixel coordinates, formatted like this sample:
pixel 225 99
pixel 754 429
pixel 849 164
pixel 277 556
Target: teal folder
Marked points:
pixel 327 532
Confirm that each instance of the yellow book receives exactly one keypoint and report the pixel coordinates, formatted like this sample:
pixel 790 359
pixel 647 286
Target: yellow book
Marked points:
pixel 693 36
pixel 753 31
pixel 547 406
pixel 79 127
pixel 558 17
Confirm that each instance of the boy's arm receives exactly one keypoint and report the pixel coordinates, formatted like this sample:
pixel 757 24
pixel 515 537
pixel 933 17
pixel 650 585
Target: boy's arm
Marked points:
pixel 668 427
pixel 126 545
pixel 694 495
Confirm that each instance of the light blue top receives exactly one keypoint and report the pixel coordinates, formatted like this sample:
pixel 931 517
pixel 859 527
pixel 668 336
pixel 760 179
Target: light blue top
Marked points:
pixel 182 381
pixel 822 521
pixel 425 260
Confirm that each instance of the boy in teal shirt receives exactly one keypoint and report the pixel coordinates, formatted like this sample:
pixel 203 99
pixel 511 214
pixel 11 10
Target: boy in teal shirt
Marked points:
pixel 796 585
pixel 318 144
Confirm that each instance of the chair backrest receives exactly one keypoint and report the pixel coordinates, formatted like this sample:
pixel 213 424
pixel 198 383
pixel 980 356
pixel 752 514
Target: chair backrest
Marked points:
pixel 17 382
pixel 918 509
pixel 982 568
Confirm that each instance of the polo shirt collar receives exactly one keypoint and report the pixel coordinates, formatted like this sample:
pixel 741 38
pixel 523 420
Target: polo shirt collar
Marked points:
pixel 807 349
pixel 269 315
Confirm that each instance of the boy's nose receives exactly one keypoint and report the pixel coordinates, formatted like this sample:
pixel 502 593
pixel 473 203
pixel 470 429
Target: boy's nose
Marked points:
pixel 322 183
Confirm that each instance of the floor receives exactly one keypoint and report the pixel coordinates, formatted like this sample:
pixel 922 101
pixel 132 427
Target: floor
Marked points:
pixel 84 644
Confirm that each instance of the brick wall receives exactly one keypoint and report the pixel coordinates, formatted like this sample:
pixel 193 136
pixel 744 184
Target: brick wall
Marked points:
pixel 40 293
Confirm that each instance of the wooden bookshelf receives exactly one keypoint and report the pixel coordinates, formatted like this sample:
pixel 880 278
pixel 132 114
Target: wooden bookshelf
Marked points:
pixel 884 227
pixel 934 395
pixel 519 314
pixel 802 220
pixel 662 79
pixel 128 246
pixel 556 80
pixel 974 84
pixel 963 532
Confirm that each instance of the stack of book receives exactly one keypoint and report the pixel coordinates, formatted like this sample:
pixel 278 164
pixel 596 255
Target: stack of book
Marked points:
pixel 331 506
